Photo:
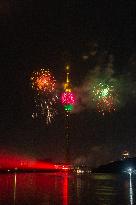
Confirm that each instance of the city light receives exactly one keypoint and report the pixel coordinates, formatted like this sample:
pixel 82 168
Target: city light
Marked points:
pixel 130 171
pixel 68 97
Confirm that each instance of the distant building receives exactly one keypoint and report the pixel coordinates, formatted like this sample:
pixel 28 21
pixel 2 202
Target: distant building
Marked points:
pixel 125 155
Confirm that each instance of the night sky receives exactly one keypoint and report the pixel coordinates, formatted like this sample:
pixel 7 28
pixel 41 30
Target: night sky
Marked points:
pixel 51 33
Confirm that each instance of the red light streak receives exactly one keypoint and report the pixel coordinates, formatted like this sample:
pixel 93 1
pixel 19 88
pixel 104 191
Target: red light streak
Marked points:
pixel 22 163
pixel 16 162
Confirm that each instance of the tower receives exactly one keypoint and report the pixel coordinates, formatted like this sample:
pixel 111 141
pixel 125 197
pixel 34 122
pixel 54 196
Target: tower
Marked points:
pixel 68 101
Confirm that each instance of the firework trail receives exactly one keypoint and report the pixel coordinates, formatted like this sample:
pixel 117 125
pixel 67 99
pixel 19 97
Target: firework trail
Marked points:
pixel 45 95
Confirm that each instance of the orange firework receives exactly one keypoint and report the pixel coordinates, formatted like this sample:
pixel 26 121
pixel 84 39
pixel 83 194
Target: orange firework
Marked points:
pixel 45 95
pixel 43 81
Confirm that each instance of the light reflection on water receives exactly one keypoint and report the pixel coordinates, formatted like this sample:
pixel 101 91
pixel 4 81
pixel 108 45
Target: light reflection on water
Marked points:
pixel 130 190
pixel 15 185
pixel 66 189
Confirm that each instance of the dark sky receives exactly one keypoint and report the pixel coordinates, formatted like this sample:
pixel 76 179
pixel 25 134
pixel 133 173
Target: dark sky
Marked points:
pixel 54 34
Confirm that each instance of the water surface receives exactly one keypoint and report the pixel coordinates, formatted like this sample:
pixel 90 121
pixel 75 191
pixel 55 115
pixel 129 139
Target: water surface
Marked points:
pixel 67 189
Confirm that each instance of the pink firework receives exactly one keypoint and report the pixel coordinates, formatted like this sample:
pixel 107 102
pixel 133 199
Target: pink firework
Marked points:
pixel 68 98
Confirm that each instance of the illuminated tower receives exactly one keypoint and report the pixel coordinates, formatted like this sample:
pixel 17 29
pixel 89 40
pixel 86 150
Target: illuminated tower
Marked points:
pixel 68 101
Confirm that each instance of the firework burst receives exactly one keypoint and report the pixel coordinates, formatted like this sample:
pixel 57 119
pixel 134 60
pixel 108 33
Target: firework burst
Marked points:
pixel 44 86
pixel 104 94
pixel 43 81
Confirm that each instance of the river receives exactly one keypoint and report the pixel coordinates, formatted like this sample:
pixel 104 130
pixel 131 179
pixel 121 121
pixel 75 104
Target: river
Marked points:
pixel 67 189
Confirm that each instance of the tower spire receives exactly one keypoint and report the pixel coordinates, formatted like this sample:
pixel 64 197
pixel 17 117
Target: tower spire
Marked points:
pixel 67 70
pixel 67 86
